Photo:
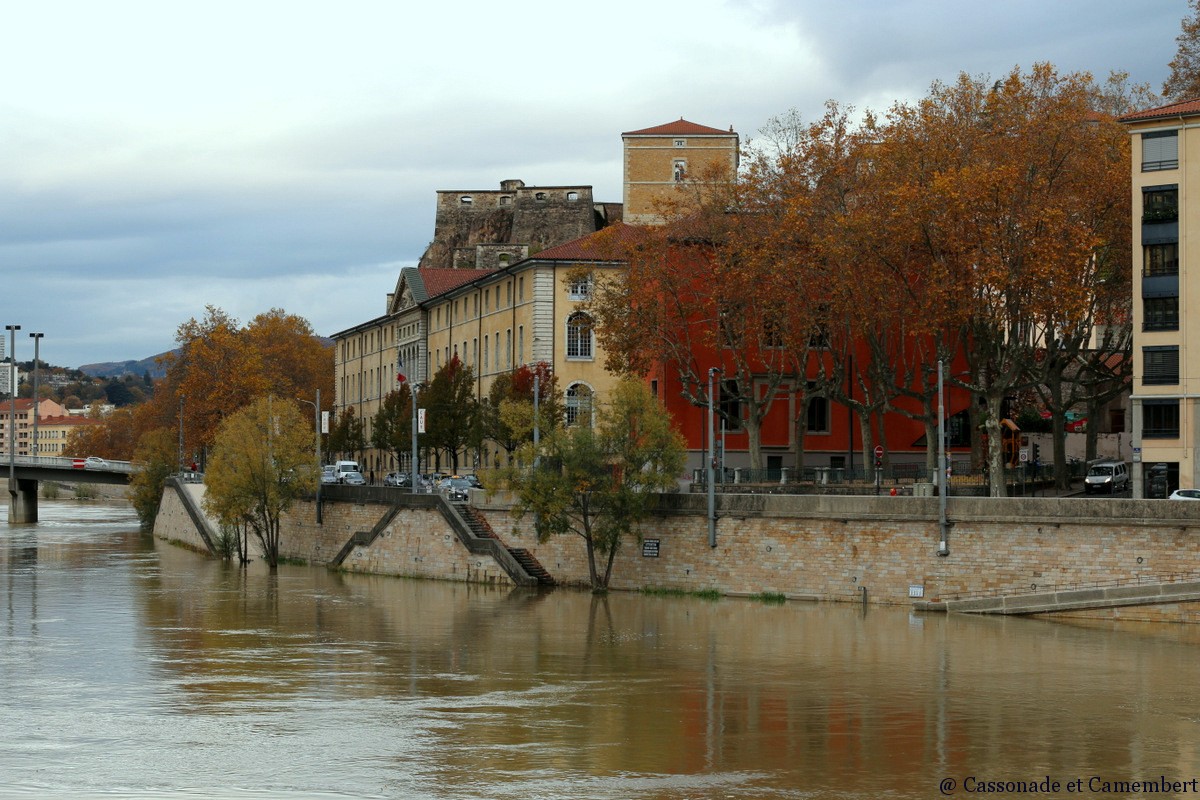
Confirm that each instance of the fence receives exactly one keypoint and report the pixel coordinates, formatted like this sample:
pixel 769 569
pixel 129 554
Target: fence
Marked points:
pixel 897 475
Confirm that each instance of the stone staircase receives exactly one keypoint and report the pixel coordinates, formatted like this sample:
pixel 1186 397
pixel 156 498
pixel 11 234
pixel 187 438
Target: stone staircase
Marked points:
pixel 480 528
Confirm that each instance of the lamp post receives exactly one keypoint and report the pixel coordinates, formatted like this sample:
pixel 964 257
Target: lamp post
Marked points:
pixel 943 547
pixel 12 412
pixel 413 466
pixel 317 433
pixel 37 339
pixel 181 398
pixel 712 463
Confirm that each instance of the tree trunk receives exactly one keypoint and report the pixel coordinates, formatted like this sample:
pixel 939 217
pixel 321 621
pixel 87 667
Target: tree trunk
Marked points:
pixel 995 454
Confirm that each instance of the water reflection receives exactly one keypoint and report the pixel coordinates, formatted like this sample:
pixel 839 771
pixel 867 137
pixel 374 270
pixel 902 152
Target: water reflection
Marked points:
pixel 134 665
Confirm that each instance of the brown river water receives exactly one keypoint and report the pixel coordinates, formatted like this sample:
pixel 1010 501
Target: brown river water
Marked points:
pixel 133 668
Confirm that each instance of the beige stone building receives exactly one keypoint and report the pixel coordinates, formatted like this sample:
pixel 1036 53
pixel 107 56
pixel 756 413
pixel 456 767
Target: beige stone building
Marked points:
pixel 661 161
pixel 1166 357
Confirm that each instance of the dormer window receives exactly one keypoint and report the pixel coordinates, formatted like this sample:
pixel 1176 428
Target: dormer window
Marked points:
pixel 681 142
pixel 466 200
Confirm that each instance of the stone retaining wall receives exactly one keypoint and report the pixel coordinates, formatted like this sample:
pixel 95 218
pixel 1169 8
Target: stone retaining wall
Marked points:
pixel 820 547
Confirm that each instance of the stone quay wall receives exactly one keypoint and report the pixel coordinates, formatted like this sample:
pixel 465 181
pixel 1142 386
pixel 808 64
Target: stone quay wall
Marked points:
pixel 799 546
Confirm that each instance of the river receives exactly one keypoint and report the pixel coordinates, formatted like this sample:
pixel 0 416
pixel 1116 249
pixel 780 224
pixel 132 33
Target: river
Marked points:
pixel 133 668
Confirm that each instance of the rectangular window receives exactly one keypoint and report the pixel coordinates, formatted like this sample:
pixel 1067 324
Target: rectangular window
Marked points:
pixel 580 288
pixel 1160 259
pixel 521 344
pixel 485 352
pixel 1160 313
pixel 817 419
pixel 508 347
pixel 1160 365
pixel 1160 203
pixel 1160 150
pixel 521 289
pixel 730 404
pixel 508 294
pixel 1160 419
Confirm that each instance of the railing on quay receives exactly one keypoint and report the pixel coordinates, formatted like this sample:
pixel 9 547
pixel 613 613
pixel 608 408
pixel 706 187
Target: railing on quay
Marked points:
pixel 904 475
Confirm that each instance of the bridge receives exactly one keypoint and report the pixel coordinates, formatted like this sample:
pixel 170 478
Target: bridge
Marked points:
pixel 29 471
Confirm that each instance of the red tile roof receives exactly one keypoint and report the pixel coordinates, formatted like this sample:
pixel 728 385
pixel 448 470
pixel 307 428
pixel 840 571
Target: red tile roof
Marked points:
pixel 1185 108
pixel 681 127
pixel 69 420
pixel 440 280
pixel 599 246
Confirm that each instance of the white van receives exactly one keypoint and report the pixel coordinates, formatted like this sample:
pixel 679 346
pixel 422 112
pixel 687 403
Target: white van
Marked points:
pixel 1106 476
pixel 342 467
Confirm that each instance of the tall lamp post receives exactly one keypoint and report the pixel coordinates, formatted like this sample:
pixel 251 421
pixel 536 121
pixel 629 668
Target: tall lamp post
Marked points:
pixel 12 412
pixel 37 340
pixel 317 433
pixel 712 464
pixel 413 389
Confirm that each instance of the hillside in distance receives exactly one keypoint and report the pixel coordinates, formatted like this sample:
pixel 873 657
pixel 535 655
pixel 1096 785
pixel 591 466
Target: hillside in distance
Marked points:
pixel 118 369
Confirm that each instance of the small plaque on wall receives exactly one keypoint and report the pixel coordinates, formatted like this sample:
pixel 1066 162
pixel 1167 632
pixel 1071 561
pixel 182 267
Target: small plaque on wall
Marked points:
pixel 916 591
pixel 649 548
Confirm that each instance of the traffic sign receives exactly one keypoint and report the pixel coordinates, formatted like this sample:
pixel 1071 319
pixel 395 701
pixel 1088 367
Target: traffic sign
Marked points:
pixel 1024 454
pixel 879 451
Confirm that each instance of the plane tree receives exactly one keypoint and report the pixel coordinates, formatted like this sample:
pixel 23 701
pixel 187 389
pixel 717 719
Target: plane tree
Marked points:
pixel 261 464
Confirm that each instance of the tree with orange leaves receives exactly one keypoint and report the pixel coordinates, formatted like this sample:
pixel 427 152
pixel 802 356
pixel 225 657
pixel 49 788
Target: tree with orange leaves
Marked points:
pixel 1013 207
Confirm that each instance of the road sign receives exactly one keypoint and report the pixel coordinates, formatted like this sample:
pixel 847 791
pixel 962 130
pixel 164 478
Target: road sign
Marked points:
pixel 879 451
pixel 1024 455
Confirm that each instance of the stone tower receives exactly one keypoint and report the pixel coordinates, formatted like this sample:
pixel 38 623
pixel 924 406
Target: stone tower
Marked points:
pixel 659 160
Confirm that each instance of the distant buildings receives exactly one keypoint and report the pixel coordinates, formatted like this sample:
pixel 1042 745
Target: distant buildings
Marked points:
pixel 492 287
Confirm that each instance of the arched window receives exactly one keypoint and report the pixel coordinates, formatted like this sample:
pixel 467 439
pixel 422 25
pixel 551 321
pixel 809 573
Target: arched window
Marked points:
pixel 540 196
pixel 466 200
pixel 579 404
pixel 579 336
pixel 572 196
pixel 505 200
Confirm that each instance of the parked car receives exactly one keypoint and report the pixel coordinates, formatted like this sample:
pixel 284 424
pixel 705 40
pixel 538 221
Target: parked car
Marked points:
pixel 456 488
pixel 353 479
pixel 396 479
pixel 328 475
pixel 95 462
pixel 1107 476
pixel 1185 494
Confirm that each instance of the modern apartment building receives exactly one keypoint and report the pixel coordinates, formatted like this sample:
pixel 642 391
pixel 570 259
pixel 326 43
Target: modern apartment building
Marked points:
pixel 1166 354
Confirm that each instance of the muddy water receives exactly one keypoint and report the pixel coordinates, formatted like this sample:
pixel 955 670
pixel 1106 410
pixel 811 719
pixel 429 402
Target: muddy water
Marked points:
pixel 132 668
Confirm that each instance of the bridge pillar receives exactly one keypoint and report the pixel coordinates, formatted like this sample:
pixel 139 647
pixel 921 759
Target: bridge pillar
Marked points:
pixel 22 500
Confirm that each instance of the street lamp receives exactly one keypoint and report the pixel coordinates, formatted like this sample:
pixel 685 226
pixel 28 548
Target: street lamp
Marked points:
pixel 12 414
pixel 37 340
pixel 181 399
pixel 414 388
pixel 317 433
pixel 712 463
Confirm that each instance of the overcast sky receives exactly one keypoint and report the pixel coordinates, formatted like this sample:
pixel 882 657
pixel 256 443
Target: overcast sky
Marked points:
pixel 157 157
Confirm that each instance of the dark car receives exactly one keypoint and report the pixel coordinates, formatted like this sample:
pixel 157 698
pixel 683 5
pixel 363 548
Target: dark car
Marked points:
pixel 456 488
